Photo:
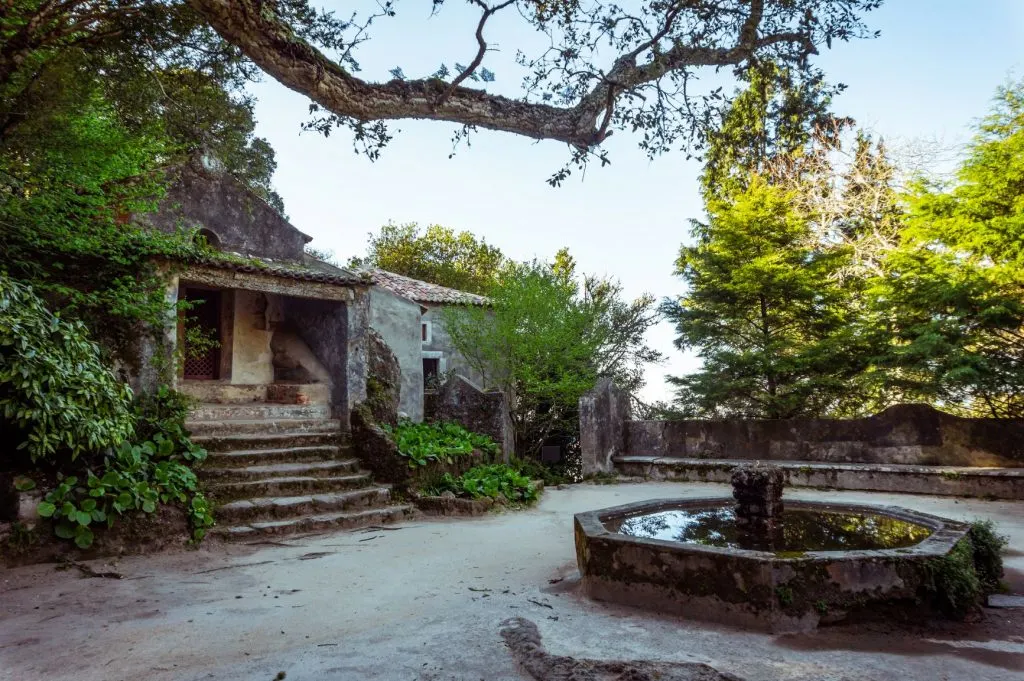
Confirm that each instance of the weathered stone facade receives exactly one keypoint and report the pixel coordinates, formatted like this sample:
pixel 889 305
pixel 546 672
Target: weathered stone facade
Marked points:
pixel 397 320
pixel 202 197
pixel 476 410
pixel 604 413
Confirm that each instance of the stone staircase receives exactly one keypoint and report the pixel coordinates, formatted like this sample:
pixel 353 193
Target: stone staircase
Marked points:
pixel 284 469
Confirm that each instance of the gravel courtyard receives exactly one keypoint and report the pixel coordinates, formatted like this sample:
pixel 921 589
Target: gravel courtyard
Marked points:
pixel 425 600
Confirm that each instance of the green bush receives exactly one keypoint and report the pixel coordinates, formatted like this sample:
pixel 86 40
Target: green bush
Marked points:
pixel 954 584
pixel 988 547
pixel 134 478
pixel 54 386
pixel 960 580
pixel 552 475
pixel 422 443
pixel 162 414
pixel 488 481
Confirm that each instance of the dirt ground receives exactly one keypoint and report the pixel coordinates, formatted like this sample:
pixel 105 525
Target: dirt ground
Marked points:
pixel 428 600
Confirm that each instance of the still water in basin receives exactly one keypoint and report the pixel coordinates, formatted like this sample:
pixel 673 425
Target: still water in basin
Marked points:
pixel 797 530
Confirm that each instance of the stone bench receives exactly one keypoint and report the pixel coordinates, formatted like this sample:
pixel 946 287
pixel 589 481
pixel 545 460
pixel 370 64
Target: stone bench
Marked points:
pixel 990 483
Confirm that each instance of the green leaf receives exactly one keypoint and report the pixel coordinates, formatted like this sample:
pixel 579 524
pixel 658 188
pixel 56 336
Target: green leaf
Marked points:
pixel 83 537
pixel 46 509
pixel 64 530
pixel 82 518
pixel 148 506
pixel 24 484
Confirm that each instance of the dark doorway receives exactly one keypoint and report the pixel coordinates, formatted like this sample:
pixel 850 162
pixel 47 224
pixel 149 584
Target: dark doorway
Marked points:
pixel 202 321
pixel 431 372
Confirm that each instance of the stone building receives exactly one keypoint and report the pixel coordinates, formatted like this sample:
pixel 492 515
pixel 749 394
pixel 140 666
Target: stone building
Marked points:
pixel 408 314
pixel 285 327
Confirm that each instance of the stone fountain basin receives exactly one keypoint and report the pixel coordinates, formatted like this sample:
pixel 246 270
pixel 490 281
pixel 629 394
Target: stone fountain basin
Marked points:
pixel 756 589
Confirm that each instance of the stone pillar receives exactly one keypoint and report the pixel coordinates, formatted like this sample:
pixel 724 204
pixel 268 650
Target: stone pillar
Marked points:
pixel 758 492
pixel 604 412
pixel 156 360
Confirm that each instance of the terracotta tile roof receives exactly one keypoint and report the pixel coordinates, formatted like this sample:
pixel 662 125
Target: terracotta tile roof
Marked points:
pixel 311 270
pixel 422 291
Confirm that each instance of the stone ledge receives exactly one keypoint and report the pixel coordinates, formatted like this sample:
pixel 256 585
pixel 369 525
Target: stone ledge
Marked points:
pixel 997 483
pixel 453 506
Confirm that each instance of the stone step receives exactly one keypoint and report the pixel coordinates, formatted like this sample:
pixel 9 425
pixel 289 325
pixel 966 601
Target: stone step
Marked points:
pixel 313 469
pixel 286 486
pixel 221 392
pixel 990 483
pixel 260 457
pixel 228 443
pixel 263 426
pixel 277 508
pixel 252 411
pixel 345 520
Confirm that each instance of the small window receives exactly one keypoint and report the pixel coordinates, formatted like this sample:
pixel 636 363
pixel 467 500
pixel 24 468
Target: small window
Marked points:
pixel 425 332
pixel 431 370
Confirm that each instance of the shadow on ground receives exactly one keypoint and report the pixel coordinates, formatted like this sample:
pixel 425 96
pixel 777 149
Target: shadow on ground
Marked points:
pixel 979 641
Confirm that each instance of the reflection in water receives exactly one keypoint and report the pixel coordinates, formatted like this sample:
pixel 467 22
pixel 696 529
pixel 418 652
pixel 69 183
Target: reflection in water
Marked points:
pixel 798 530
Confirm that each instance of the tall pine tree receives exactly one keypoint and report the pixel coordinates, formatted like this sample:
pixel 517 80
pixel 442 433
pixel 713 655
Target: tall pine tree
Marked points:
pixel 765 308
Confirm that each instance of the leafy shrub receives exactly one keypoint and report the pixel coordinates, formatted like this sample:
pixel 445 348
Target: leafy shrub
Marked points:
pixel 135 478
pixel 163 414
pixel 422 443
pixel 53 384
pixel 970 571
pixel 954 584
pixel 988 547
pixel 536 470
pixel 488 481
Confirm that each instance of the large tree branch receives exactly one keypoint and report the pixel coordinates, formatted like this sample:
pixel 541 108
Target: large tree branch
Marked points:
pixel 252 26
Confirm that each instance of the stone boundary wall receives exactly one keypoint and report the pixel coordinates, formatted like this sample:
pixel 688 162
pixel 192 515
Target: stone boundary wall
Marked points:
pixel 480 411
pixel 910 434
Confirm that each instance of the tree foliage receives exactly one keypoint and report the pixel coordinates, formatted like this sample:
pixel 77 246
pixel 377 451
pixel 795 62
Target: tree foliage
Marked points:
pixel 56 393
pixel 437 254
pixel 546 338
pixel 765 314
pixel 605 66
pixel 953 289
pixel 97 102
pixel 880 293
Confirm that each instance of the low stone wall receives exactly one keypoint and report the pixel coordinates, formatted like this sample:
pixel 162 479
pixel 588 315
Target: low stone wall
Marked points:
pixel 912 434
pixel 905 434
pixel 480 411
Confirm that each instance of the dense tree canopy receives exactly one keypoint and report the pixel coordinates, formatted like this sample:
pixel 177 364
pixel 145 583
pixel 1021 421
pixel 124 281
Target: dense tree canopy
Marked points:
pixel 765 314
pixel 953 288
pixel 97 102
pixel 436 254
pixel 546 338
pixel 818 287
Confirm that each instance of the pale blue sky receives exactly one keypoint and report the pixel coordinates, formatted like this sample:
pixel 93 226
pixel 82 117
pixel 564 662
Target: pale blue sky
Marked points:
pixel 930 74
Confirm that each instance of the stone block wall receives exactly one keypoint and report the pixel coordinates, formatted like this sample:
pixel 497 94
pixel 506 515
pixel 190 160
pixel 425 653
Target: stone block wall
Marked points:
pixel 480 411
pixel 904 434
pixel 911 434
pixel 605 413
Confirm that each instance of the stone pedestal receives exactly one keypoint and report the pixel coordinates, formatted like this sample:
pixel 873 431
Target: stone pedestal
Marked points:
pixel 758 492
